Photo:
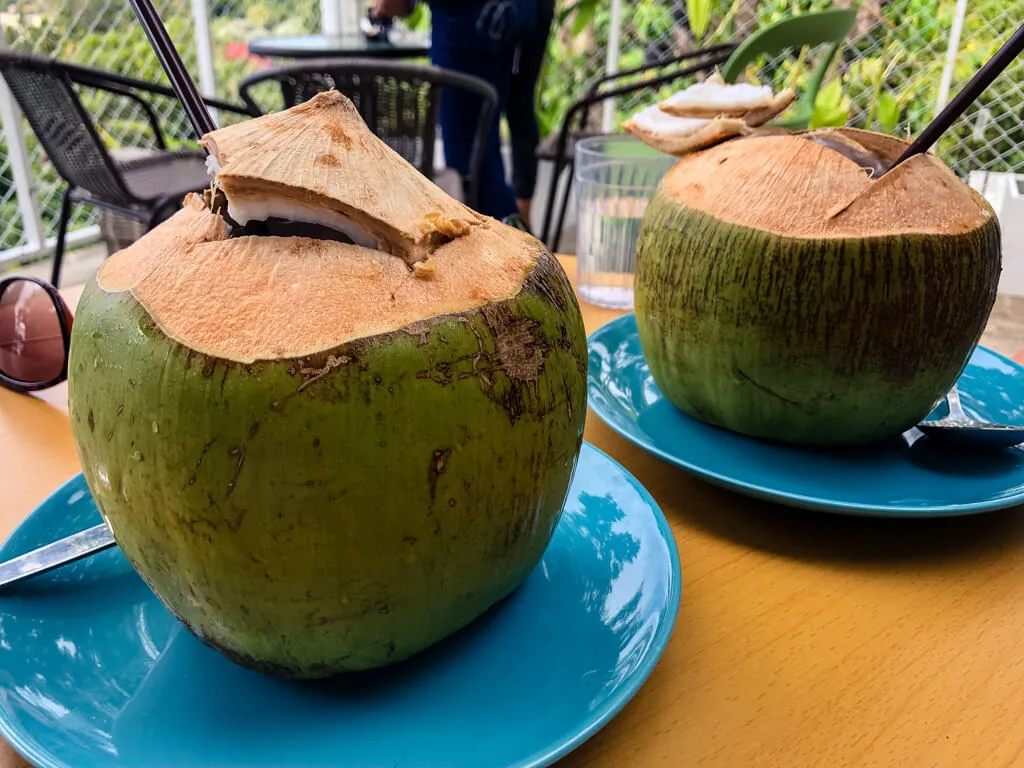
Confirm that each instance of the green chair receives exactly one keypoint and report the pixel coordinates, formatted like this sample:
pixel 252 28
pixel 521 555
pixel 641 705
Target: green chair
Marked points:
pixel 808 29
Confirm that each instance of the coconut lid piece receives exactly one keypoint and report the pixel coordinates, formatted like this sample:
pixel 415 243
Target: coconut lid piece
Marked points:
pixel 680 135
pixel 706 114
pixel 319 163
pixel 799 185
pixel 756 104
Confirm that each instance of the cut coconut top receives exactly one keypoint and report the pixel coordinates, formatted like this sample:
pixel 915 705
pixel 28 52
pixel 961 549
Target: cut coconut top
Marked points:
pixel 706 114
pixel 244 295
pixel 793 186
pixel 266 298
pixel 318 162
pixel 714 97
pixel 654 120
pixel 680 135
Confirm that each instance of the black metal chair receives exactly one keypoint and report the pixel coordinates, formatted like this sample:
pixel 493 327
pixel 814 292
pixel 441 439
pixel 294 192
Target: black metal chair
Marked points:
pixel 399 102
pixel 147 188
pixel 559 148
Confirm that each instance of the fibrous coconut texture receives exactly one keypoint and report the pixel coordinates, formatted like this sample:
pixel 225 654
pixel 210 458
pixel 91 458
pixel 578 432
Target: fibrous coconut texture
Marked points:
pixel 784 293
pixel 326 456
pixel 705 114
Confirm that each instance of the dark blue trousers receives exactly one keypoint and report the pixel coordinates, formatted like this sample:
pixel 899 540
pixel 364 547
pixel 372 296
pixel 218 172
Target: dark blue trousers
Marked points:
pixel 478 39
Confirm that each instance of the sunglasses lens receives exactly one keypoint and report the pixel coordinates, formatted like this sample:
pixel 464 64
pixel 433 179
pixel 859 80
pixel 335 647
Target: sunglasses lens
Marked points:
pixel 31 344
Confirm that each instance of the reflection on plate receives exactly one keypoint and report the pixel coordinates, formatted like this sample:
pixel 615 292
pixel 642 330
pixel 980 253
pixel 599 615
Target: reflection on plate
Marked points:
pixel 94 673
pixel 909 476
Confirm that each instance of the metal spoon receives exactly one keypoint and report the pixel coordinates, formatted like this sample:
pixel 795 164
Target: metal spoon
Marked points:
pixel 54 555
pixel 959 427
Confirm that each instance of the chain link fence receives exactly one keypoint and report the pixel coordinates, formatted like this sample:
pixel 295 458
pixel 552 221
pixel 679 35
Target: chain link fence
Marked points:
pixel 887 77
pixel 105 34
pixel 96 33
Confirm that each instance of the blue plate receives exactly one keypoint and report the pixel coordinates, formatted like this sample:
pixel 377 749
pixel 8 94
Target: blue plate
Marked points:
pixel 94 673
pixel 910 476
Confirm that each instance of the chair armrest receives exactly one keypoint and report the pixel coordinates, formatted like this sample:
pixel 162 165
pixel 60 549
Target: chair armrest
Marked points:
pixel 154 120
pixel 97 78
pixel 712 50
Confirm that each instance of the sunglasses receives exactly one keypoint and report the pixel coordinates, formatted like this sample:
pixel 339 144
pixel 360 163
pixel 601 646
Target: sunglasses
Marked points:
pixel 35 332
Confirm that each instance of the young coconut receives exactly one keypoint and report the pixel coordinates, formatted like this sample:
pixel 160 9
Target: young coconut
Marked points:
pixel 783 293
pixel 324 456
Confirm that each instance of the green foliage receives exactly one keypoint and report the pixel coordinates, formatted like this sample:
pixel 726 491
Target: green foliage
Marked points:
pixel 886 77
pixel 831 107
pixel 699 14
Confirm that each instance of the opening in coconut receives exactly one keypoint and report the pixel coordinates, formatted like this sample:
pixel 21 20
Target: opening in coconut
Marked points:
pixel 315 233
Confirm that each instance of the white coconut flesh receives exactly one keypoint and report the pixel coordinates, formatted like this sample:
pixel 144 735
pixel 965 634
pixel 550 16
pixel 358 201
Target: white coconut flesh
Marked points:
pixel 755 104
pixel 705 114
pixel 797 186
pixel 680 135
pixel 714 97
pixel 249 298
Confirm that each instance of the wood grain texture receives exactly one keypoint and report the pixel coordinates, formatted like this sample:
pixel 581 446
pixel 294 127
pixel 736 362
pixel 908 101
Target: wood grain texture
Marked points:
pixel 803 639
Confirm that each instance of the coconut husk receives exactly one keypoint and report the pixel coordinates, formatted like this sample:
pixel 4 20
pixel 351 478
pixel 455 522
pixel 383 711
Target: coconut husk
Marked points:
pixel 681 136
pixel 800 186
pixel 319 163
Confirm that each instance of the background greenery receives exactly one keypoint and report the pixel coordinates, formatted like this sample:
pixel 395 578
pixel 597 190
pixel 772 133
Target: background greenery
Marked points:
pixel 886 78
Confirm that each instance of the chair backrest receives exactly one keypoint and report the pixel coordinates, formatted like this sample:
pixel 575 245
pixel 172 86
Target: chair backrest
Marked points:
pixel 46 95
pixel 810 29
pixel 398 101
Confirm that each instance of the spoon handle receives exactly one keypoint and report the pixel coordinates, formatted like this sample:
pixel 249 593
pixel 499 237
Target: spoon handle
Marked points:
pixel 956 410
pixel 56 554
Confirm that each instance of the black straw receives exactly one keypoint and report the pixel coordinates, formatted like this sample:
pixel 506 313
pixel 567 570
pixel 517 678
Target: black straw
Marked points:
pixel 181 82
pixel 966 97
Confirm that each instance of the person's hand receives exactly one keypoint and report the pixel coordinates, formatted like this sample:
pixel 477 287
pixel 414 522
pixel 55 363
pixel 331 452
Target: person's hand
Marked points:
pixel 394 9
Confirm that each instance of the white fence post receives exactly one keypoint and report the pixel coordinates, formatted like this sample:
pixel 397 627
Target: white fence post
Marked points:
pixel 204 48
pixel 21 170
pixel 611 63
pixel 951 51
pixel 331 12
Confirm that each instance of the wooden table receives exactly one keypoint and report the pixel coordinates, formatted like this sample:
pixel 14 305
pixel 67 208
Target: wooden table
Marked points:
pixel 803 639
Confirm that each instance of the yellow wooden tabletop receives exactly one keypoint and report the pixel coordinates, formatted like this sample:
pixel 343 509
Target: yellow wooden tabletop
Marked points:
pixel 803 639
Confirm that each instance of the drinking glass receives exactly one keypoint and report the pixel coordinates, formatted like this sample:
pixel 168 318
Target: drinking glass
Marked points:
pixel 615 177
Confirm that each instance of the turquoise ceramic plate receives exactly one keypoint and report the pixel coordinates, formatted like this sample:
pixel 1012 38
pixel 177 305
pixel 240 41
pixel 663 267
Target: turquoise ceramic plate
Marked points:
pixel 94 673
pixel 910 476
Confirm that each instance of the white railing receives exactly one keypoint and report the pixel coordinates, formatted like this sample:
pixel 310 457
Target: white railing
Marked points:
pixel 25 232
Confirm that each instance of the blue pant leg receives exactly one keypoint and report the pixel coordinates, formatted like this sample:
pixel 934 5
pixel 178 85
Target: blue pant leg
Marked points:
pixel 458 45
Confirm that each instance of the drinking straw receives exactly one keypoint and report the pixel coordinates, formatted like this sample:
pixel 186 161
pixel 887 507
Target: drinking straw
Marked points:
pixel 181 82
pixel 970 92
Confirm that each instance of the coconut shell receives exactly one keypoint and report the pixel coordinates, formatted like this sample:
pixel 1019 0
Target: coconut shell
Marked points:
pixel 783 294
pixel 321 456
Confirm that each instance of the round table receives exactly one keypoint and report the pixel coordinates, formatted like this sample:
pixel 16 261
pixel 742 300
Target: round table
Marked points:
pixel 803 640
pixel 338 46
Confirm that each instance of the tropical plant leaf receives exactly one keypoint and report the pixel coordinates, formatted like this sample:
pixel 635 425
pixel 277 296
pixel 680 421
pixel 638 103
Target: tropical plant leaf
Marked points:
pixel 584 15
pixel 699 13
pixel 888 111
pixel 831 107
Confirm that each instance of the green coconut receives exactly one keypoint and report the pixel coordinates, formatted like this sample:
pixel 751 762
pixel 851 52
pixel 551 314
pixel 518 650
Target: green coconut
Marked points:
pixel 324 456
pixel 785 291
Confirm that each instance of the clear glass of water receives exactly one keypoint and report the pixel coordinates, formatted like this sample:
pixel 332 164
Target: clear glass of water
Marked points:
pixel 615 177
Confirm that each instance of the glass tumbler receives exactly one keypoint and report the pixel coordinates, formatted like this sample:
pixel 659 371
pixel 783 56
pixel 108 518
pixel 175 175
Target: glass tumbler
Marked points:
pixel 615 177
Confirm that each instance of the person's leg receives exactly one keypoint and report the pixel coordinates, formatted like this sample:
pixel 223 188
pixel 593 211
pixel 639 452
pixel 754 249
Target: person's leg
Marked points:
pixel 521 110
pixel 457 44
